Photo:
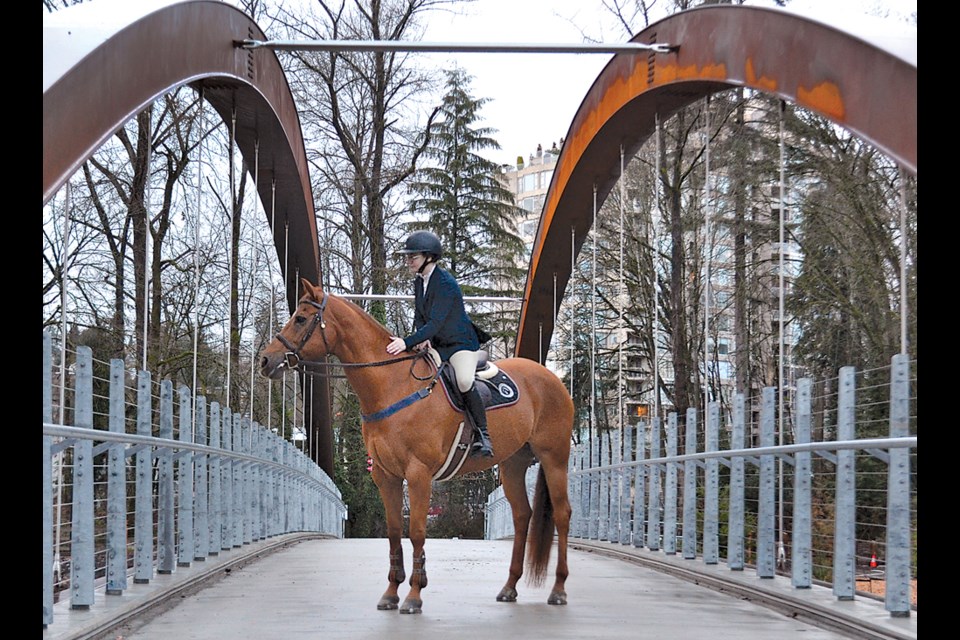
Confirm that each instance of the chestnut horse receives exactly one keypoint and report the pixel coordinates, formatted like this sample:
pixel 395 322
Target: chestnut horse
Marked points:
pixel 413 441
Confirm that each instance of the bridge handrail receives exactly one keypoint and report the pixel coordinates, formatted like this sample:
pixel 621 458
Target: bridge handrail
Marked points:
pixel 191 497
pixel 672 503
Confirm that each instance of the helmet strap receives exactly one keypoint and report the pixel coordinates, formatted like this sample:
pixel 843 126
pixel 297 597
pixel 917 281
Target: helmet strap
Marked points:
pixel 427 259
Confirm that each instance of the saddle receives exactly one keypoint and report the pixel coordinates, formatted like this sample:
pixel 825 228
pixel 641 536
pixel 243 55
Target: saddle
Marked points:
pixel 496 388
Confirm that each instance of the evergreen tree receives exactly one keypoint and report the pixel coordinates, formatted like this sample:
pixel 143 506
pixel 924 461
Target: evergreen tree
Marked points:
pixel 461 198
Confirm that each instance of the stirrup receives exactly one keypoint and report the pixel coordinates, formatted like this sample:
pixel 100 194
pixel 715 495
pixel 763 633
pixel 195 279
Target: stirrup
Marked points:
pixel 479 450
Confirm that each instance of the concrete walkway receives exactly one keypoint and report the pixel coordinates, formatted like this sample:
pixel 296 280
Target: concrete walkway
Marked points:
pixel 299 587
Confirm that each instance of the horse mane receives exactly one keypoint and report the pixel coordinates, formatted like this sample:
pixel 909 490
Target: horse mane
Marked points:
pixel 362 313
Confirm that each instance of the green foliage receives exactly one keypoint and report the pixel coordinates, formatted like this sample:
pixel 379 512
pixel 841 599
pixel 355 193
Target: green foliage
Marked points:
pixel 365 518
pixel 458 505
pixel 461 199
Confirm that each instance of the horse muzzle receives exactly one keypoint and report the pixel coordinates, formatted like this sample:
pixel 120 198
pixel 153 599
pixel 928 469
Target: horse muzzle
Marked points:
pixel 273 366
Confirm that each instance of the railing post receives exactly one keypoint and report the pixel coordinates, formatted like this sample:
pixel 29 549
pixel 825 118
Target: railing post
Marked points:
pixel 802 558
pixel 844 532
pixel 897 597
pixel 284 488
pixel 583 490
pixel 604 478
pixel 653 505
pixel 201 522
pixel 117 485
pixel 735 508
pixel 640 488
pixel 594 488
pixel 613 521
pixel 270 506
pixel 246 475
pixel 711 488
pixel 690 488
pixel 670 491
pixel 625 487
pixel 226 474
pixel 258 483
pixel 167 521
pixel 143 499
pixel 766 509
pixel 216 488
pixel 47 538
pixel 236 537
pixel 185 481
pixel 81 534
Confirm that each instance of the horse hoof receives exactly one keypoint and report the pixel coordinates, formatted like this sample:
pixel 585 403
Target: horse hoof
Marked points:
pixel 388 603
pixel 411 605
pixel 557 597
pixel 507 595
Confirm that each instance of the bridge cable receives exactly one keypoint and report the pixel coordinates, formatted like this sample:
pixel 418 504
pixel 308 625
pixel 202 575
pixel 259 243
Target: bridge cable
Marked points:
pixel 593 321
pixel 255 249
pixel 903 260
pixel 286 293
pixel 58 459
pixel 230 256
pixel 655 330
pixel 573 273
pixel 620 302
pixel 781 383
pixel 273 302
pixel 201 123
pixel 708 254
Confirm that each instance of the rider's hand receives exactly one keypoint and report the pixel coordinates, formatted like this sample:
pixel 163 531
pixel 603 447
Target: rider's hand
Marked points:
pixel 396 345
pixel 422 346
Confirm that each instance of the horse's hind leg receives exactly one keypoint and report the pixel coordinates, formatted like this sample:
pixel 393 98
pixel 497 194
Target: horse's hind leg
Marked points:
pixel 513 478
pixel 391 492
pixel 555 472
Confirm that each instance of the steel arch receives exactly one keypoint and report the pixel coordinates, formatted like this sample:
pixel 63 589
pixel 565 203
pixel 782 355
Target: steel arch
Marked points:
pixel 105 61
pixel 867 84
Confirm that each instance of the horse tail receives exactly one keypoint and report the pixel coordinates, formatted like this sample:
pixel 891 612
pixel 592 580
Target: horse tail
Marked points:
pixel 540 533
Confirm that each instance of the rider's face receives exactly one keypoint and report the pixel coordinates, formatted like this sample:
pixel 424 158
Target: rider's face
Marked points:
pixel 414 262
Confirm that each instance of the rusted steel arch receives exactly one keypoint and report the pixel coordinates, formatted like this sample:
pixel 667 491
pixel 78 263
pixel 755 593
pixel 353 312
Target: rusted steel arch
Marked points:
pixel 868 87
pixel 105 61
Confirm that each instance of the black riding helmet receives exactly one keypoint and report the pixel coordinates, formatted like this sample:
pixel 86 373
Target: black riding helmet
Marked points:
pixel 424 242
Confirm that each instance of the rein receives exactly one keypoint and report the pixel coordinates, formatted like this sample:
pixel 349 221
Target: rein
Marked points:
pixel 295 361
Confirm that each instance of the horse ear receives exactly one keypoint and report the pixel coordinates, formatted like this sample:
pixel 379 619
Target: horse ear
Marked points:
pixel 308 288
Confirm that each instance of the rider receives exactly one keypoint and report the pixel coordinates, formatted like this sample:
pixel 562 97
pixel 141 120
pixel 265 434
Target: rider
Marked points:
pixel 441 321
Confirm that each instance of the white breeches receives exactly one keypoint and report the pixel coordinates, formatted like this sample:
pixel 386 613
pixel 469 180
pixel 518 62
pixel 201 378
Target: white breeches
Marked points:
pixel 465 365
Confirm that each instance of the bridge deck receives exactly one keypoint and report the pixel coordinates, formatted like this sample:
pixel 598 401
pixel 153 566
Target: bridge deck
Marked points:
pixel 299 587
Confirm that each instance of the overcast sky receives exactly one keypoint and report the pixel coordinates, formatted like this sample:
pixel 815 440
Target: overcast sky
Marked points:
pixel 533 97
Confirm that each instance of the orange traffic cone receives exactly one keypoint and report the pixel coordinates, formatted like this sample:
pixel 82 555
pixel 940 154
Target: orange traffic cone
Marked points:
pixel 873 561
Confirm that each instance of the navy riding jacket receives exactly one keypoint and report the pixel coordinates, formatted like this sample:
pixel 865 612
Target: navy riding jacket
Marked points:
pixel 440 316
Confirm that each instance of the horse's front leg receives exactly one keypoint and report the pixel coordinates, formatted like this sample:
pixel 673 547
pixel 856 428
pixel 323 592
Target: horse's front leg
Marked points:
pixel 391 493
pixel 419 487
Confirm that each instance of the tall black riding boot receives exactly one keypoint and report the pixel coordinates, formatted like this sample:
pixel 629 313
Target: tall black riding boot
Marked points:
pixel 474 404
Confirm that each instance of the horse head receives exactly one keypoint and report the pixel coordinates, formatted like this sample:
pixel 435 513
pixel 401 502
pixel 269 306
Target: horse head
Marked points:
pixel 306 336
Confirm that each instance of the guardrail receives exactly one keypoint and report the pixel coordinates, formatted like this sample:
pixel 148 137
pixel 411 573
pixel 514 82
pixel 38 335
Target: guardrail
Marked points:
pixel 120 506
pixel 838 511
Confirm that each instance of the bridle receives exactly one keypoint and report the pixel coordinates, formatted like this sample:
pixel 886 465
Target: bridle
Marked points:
pixel 294 360
pixel 292 357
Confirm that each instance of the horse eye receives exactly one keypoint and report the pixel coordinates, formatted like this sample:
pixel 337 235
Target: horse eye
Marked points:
pixel 299 320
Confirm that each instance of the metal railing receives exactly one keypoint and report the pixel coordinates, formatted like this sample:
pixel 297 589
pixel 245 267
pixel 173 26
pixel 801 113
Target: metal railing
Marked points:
pixel 833 507
pixel 191 480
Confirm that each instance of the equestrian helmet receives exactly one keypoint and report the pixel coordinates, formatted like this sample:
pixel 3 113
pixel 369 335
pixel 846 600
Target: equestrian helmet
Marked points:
pixel 423 242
